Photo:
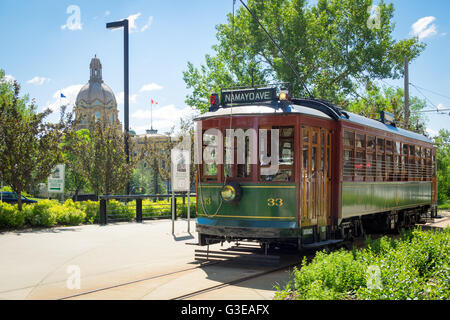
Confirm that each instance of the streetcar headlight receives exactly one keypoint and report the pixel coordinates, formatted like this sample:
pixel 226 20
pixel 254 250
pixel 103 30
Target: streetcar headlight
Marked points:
pixel 284 95
pixel 228 193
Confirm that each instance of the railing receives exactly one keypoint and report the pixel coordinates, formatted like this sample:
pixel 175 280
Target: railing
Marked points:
pixel 115 208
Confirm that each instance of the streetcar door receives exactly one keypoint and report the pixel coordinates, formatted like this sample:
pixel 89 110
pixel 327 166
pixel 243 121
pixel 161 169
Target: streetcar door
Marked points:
pixel 315 179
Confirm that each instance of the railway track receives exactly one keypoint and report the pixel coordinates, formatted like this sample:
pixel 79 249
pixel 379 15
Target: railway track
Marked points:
pixel 134 281
pixel 292 260
pixel 233 282
pixel 230 263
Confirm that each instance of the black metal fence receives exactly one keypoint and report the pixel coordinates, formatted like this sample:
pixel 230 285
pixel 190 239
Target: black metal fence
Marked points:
pixel 115 208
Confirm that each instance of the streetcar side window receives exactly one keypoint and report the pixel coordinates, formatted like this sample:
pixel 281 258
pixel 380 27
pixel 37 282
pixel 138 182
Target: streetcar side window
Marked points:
pixel 349 155
pixel 370 142
pixel 348 163
pixel 397 147
pixel 360 156
pixel 389 146
pixel 380 145
pixel 348 139
pixel 360 140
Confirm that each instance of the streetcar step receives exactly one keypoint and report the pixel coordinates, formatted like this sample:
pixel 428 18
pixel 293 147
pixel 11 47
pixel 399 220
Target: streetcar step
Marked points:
pixel 241 257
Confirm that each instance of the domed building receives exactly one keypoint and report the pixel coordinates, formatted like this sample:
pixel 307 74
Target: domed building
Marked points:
pixel 96 100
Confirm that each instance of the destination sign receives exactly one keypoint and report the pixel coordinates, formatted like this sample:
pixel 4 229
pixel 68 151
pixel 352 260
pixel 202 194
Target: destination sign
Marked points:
pixel 248 96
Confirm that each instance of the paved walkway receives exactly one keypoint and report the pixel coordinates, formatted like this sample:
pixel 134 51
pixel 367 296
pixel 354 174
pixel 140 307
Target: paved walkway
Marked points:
pixel 37 264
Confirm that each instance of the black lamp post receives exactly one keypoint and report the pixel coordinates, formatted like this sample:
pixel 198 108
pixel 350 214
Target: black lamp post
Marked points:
pixel 115 25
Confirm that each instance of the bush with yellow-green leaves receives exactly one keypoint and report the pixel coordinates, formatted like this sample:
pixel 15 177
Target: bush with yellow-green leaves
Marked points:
pixel 414 267
pixel 49 213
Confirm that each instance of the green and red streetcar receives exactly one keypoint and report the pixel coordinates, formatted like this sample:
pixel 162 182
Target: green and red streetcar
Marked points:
pixel 338 174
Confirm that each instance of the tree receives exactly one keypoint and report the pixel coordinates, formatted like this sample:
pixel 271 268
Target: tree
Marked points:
pixel 29 147
pixel 74 179
pixel 442 143
pixel 102 159
pixel 155 154
pixel 329 43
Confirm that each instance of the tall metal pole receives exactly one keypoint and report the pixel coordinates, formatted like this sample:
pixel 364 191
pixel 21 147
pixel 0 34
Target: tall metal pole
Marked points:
pixel 114 25
pixel 406 89
pixel 126 93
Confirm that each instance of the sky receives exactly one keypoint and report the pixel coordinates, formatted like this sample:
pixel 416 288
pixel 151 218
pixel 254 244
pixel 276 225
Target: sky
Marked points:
pixel 48 50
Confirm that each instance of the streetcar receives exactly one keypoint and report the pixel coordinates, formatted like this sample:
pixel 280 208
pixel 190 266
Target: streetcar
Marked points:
pixel 304 172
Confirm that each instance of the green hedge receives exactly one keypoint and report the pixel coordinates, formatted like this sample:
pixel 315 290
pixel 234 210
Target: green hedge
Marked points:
pixel 417 266
pixel 10 216
pixel 48 213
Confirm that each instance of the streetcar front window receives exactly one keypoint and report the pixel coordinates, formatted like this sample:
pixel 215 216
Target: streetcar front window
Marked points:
pixel 210 157
pixel 285 157
pixel 237 151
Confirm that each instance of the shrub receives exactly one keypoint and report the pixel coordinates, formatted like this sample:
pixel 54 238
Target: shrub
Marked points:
pixel 119 210
pixel 414 267
pixel 10 216
pixel 92 211
pixel 329 276
pixel 41 215
pixel 68 215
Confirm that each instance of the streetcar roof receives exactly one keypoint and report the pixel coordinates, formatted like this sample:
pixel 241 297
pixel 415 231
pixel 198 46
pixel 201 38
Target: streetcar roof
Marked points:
pixel 356 118
pixel 262 109
pixel 283 108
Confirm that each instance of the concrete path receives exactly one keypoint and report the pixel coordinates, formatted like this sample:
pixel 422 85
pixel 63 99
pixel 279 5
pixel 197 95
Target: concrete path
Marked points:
pixel 38 264
pixel 42 264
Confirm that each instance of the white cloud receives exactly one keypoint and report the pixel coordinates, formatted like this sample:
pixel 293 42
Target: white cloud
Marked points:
pixel 132 25
pixel 121 96
pixel 424 28
pixel 70 94
pixel 9 78
pixel 164 117
pixel 440 106
pixel 39 81
pixel 150 87
pixel 148 24
pixel 132 22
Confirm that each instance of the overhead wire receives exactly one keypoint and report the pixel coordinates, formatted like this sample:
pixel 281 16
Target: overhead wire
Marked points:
pixel 434 92
pixel 417 88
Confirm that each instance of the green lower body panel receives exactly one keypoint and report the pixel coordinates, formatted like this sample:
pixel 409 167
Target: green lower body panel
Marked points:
pixel 359 198
pixel 271 202
pixel 264 211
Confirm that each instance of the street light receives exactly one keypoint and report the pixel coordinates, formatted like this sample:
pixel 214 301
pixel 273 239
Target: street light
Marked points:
pixel 114 25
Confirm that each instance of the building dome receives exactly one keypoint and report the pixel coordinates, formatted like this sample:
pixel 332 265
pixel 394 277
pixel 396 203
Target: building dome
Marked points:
pixel 96 100
pixel 96 92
